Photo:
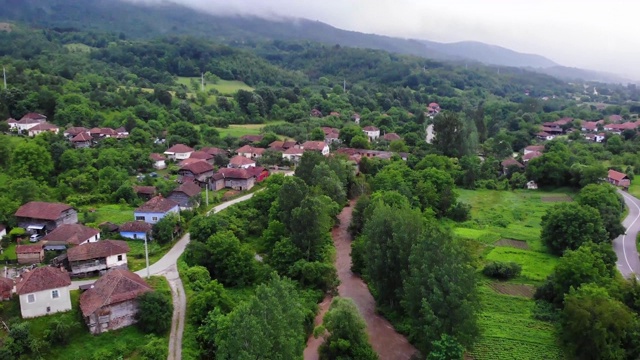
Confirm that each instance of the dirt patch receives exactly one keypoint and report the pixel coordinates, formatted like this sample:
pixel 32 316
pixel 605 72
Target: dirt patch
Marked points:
pixel 558 198
pixel 6 27
pixel 518 244
pixel 229 194
pixel 514 289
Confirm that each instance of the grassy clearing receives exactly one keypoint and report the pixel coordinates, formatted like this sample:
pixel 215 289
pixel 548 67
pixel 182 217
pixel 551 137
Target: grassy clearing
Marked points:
pixel 508 330
pixel 135 257
pixel 10 252
pixel 224 87
pixel 245 129
pixel 123 343
pixel 115 213
pixel 634 189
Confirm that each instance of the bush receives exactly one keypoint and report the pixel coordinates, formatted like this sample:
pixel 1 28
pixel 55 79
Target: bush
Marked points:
pixel 460 212
pixel 502 270
pixel 155 312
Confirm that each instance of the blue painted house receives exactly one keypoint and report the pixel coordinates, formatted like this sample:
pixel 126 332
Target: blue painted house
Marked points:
pixel 155 209
pixel 136 230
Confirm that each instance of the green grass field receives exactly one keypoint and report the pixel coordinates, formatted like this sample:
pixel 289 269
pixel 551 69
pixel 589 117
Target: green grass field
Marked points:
pixel 135 257
pixel 10 252
pixel 224 87
pixel 634 189
pixel 122 343
pixel 114 213
pixel 245 129
pixel 508 330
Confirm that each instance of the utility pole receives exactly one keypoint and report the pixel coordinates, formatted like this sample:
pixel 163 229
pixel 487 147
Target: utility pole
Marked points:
pixel 202 81
pixel 206 190
pixel 344 86
pixel 146 254
pixel 4 74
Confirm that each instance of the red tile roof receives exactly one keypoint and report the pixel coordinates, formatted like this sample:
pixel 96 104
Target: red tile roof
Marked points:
pixel 252 138
pixel 201 155
pixel 198 167
pixel 391 137
pixel 157 157
pixel 532 155
pixel 511 162
pixel 615 118
pixel 370 128
pixel 247 149
pixel 241 161
pixel 158 204
pixel 146 190
pixel 255 171
pixel 42 210
pixel 616 175
pixel 81 137
pixel 114 287
pixel 33 116
pixel 76 130
pixel 179 148
pixel 314 145
pixel 28 249
pixel 294 151
pixel 535 148
pixel 189 188
pixel 42 278
pixel 234 173
pixel 44 127
pixel 97 250
pixel 214 151
pixel 6 285
pixel 73 234
pixel 136 226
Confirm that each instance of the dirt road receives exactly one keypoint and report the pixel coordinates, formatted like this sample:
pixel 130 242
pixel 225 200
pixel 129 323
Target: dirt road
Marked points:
pixel 388 343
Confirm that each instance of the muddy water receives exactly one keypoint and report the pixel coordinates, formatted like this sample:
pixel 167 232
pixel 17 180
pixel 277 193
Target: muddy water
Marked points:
pixel 385 340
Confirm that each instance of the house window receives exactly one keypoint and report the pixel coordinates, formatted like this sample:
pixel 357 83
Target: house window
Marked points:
pixel 119 257
pixel 155 218
pixel 55 294
pixel 31 298
pixel 135 236
pixel 139 218
pixel 48 308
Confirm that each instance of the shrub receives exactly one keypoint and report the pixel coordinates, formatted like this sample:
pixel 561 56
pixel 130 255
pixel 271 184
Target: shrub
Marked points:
pixel 502 270
pixel 460 212
pixel 155 312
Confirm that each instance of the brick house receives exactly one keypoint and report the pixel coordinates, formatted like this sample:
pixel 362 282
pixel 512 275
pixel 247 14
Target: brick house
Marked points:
pixel 42 217
pixel 198 172
pixel 111 303
pixel 99 256
pixel 237 179
pixel 618 179
pixel 44 291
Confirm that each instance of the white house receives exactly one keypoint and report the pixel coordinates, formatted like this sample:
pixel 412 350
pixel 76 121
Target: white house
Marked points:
pixel 43 127
pixel 158 161
pixel 98 256
pixel 179 152
pixel 71 235
pixel 155 209
pixel 3 231
pixel 319 146
pixel 43 291
pixel 372 132
pixel 241 162
pixel 27 122
pixel 293 154
pixel 250 152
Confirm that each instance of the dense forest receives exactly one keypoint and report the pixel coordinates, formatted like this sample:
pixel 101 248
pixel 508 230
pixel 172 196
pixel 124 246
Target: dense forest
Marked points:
pixel 161 91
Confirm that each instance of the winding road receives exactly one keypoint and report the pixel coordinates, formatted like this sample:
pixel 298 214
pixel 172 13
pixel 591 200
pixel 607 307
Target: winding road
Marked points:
pixel 167 266
pixel 625 245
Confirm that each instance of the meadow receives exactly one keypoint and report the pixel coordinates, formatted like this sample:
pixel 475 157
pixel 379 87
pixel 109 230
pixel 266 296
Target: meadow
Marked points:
pixel 224 87
pixel 245 129
pixel 505 226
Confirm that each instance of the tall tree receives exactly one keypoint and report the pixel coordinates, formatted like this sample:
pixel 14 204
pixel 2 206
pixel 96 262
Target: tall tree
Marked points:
pixel 310 225
pixel 31 160
pixel 455 137
pixel 441 290
pixel 609 204
pixel 569 225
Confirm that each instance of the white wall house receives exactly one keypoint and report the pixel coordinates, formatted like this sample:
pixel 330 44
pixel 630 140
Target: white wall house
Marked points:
pixel 372 132
pixel 44 291
pixel 155 209
pixel 179 152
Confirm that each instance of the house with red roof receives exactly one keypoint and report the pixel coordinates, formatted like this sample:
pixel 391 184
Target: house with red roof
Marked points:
pixel 44 291
pixel 98 256
pixel 531 155
pixel 178 152
pixel 252 139
pixel 199 172
pixel 27 122
pixel 6 288
pixel 73 131
pixel 159 161
pixel 39 217
pixel 293 154
pixel 618 179
pixel 241 162
pixel 616 118
pixel 42 128
pixel 545 136
pixel 240 179
pixel 187 195
pixel 30 254
pixel 214 151
pixel 112 302
pixel 319 146
pixel 70 235
pixel 145 192
pixel 155 209
pixel 82 140
pixel 202 155
pixel 589 126
pixel 372 132
pixel 531 148
pixel 136 230
pixel 391 137
pixel 250 152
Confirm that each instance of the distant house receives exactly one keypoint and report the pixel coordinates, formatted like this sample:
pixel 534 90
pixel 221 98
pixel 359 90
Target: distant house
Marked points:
pixel 178 152
pixel 531 148
pixel 241 162
pixel 372 132
pixel 30 254
pixel 319 146
pixel 198 172
pixel 155 209
pixel 250 152
pixel 3 231
pixel 42 128
pixel 158 161
pixel 27 122
pixel 6 288
pixel 145 192
pixel 214 151
pixel 589 126
pixel 356 118
pixel 391 137
pixel 531 185
pixel 509 164
pixel 44 291
pixel 72 132
pixel 111 303
pixel 543 135
pixel 237 178
pixel 618 179
pixel 616 118
pixel 531 155
pixel 187 195
pixel 70 235
pixel 282 146
pixel 98 256
pixel 293 154
pixel 202 155
pixel 331 135
pixel 316 113
pixel 42 217
pixel 82 140
pixel 136 230
pixel 251 138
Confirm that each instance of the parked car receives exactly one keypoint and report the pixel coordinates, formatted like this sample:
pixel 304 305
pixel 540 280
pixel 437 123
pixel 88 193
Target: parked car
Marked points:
pixel 35 238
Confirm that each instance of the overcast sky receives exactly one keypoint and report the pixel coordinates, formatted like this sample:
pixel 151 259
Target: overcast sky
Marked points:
pixel 592 34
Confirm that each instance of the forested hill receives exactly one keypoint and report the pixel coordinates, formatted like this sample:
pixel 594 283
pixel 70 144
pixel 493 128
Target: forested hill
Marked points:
pixel 143 21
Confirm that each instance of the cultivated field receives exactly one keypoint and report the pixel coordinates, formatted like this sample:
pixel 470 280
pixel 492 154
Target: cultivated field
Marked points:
pixel 505 226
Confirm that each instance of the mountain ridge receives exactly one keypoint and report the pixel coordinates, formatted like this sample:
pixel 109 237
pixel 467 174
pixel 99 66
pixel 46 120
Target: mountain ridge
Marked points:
pixel 146 20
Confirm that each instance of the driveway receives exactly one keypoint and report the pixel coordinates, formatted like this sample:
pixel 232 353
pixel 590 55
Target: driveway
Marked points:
pixel 625 245
pixel 167 266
